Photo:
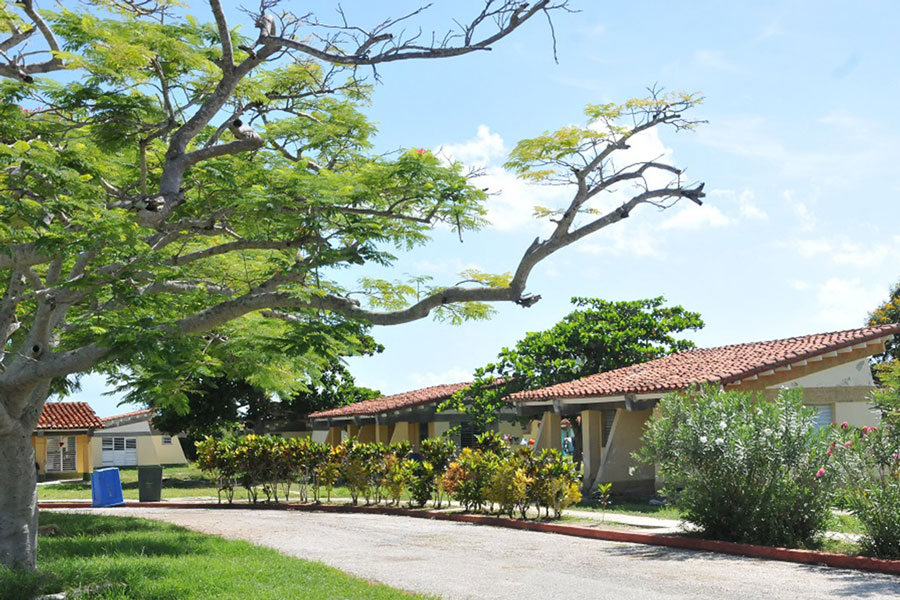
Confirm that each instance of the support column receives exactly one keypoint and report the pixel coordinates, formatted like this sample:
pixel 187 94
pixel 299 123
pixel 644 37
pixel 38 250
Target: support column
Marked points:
pixel 592 448
pixel 334 436
pixel 383 434
pixel 627 475
pixel 366 433
pixel 550 434
pixel 353 430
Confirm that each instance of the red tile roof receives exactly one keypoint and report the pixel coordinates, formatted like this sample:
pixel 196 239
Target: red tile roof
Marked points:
pixel 68 415
pixel 387 403
pixel 133 413
pixel 723 365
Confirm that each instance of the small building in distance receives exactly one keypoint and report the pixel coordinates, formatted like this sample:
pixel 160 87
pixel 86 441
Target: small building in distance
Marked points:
pixel 410 416
pixel 129 440
pixel 62 439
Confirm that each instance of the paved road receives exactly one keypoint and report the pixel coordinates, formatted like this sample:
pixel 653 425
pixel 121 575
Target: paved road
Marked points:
pixel 463 561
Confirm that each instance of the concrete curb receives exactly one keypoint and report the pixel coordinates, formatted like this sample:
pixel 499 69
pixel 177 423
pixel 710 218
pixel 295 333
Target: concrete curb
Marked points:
pixel 812 557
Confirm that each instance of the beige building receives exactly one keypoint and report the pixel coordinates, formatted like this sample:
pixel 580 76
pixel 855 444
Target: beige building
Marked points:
pixel 130 440
pixel 410 416
pixel 62 439
pixel 832 368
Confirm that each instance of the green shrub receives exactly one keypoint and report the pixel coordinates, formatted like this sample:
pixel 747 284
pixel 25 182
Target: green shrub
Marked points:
pixel 743 469
pixel 868 460
pixel 508 487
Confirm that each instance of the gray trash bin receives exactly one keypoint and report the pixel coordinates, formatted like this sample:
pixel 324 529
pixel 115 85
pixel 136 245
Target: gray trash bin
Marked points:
pixel 150 483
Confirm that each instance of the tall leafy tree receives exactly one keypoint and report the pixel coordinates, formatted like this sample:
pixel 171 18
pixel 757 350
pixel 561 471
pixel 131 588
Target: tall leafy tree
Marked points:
pixel 887 312
pixel 226 403
pixel 176 197
pixel 599 335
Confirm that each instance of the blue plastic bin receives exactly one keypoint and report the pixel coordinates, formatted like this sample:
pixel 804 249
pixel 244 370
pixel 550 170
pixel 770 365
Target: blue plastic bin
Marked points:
pixel 106 487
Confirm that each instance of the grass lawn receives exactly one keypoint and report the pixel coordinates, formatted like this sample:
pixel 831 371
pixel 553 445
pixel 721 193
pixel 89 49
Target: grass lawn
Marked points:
pixel 630 507
pixel 138 558
pixel 178 482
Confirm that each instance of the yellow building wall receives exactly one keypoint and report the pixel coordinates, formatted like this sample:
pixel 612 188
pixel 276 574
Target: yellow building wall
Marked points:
pixel 617 465
pixel 856 413
pixel 84 459
pixel 40 451
pixel 84 456
pixel 167 454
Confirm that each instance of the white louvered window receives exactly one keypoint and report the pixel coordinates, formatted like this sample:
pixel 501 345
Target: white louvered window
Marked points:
pixel 61 455
pixel 824 417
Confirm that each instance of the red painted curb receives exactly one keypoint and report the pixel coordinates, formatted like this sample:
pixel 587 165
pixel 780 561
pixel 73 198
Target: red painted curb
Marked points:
pixel 830 559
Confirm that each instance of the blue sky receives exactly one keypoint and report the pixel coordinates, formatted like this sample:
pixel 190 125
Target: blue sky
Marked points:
pixel 798 233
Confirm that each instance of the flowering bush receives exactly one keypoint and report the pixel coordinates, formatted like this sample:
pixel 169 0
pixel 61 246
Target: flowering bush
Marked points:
pixel 742 468
pixel 868 460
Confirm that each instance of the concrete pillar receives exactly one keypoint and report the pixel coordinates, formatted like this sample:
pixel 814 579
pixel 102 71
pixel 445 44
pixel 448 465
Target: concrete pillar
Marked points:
pixel 334 436
pixel 353 430
pixel 550 434
pixel 383 433
pixel 413 436
pixel 592 447
pixel 366 433
pixel 431 431
pixel 627 475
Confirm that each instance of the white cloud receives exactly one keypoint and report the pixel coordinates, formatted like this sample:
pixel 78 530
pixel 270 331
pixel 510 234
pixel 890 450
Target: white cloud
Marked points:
pixel 693 217
pixel 748 208
pixel 799 285
pixel 631 238
pixel 805 216
pixel 714 59
pixel 423 379
pixel 844 252
pixel 844 303
pixel 479 151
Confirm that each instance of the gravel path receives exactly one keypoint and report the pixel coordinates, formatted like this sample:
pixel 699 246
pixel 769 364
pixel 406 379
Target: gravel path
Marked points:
pixel 462 561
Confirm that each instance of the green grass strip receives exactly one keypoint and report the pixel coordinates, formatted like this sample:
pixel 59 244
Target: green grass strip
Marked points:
pixel 143 559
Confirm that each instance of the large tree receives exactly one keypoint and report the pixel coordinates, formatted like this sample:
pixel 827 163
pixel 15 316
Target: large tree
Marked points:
pixel 221 404
pixel 598 336
pixel 887 312
pixel 176 195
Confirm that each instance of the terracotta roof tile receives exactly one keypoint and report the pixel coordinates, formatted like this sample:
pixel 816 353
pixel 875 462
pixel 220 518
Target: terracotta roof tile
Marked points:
pixel 388 403
pixel 68 415
pixel 725 364
pixel 133 413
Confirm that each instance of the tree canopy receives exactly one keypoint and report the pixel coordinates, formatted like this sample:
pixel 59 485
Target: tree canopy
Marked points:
pixel 888 312
pixel 598 336
pixel 176 196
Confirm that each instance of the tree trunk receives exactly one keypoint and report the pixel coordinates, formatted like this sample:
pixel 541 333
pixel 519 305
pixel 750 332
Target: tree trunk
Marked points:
pixel 18 498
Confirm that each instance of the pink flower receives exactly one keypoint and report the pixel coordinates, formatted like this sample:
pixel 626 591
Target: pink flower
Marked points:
pixel 820 472
pixel 848 443
pixel 420 150
pixel 829 453
pixel 866 429
pixel 844 425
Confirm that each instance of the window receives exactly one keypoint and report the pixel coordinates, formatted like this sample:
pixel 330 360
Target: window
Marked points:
pixel 60 454
pixel 607 416
pixel 167 440
pixel 824 417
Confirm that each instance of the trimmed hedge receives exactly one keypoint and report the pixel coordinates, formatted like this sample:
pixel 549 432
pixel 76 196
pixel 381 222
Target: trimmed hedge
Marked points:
pixel 487 478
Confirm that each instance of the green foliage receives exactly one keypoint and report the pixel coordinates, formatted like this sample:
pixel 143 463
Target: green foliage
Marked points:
pixel 868 462
pixel 598 336
pixel 79 156
pixel 742 468
pixel 888 312
pixel 552 156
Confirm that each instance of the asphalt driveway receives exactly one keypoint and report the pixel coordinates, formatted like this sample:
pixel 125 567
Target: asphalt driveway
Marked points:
pixel 462 561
